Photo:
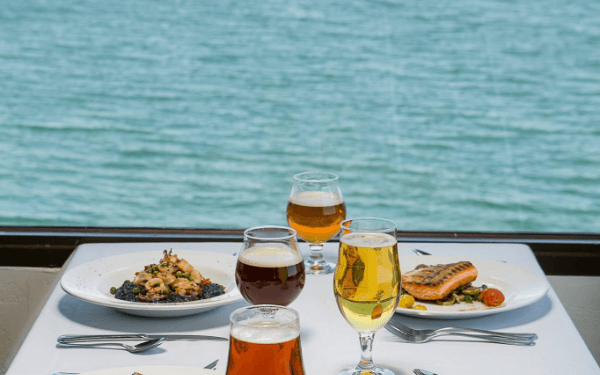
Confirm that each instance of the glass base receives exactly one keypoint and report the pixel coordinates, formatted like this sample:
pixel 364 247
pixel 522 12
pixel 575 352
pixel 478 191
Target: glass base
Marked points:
pixel 361 371
pixel 318 267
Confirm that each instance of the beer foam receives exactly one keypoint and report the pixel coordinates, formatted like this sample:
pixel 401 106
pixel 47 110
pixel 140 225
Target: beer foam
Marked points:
pixel 316 199
pixel 368 240
pixel 261 332
pixel 270 255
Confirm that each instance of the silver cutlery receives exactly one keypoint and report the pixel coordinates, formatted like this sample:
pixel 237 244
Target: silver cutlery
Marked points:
pixel 134 336
pixel 420 252
pixel 412 331
pixel 421 336
pixel 419 371
pixel 210 366
pixel 141 347
pixel 482 338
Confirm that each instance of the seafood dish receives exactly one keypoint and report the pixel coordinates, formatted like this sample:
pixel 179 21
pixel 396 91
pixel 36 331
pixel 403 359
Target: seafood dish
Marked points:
pixel 170 280
pixel 446 284
pixel 436 282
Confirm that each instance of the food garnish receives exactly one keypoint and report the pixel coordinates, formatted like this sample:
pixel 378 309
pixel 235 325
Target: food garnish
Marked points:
pixel 492 297
pixel 407 301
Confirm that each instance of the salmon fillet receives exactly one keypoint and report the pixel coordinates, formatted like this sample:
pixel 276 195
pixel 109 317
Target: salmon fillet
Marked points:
pixel 436 282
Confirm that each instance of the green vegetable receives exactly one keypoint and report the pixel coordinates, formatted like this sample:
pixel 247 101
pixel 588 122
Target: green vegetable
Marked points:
pixel 449 300
pixel 472 291
pixel 113 290
pixel 137 290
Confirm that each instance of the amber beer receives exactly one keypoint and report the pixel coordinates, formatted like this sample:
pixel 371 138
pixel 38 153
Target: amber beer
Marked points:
pixel 265 341
pixel 316 215
pixel 270 274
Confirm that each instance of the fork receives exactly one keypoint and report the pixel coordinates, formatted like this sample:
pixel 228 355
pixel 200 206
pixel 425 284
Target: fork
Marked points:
pixel 452 330
pixel 484 338
pixel 420 336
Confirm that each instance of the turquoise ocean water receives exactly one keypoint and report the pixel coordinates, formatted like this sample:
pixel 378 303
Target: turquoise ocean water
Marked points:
pixel 440 115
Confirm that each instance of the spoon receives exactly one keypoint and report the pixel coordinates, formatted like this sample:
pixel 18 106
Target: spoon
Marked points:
pixel 141 347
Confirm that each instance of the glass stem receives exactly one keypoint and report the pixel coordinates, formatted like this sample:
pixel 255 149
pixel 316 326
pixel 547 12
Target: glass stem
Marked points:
pixel 366 347
pixel 315 251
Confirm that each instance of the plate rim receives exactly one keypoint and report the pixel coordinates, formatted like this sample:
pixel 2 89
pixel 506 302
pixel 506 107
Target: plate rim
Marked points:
pixel 543 283
pixel 233 295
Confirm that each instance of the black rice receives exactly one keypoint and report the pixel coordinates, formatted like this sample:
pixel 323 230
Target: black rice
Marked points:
pixel 125 293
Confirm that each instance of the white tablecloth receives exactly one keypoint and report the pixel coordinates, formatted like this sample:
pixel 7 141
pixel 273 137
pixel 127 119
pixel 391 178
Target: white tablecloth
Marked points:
pixel 328 342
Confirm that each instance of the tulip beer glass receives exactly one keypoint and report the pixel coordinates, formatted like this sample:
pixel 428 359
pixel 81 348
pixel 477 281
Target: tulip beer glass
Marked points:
pixel 265 340
pixel 270 269
pixel 315 210
pixel 367 282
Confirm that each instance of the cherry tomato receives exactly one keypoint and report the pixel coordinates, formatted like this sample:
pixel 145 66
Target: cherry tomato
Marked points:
pixel 492 297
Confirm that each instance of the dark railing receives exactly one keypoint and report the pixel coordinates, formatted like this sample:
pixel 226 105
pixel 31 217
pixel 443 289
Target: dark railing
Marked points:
pixel 44 246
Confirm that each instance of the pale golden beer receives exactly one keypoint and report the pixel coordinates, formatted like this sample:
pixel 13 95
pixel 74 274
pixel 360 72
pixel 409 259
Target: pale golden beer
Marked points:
pixel 366 283
pixel 316 215
pixel 265 340
pixel 367 279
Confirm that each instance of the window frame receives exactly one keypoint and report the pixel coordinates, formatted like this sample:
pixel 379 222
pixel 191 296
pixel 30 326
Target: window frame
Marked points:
pixel 574 254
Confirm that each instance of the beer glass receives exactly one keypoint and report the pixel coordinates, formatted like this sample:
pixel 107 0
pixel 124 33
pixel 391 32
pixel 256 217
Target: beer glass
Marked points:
pixel 315 210
pixel 367 282
pixel 265 340
pixel 269 268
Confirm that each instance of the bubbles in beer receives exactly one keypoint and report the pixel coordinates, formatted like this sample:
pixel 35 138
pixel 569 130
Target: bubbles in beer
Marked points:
pixel 260 331
pixel 270 255
pixel 371 240
pixel 317 199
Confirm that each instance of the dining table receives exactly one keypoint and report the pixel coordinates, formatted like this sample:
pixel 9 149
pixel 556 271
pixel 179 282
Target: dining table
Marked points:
pixel 329 344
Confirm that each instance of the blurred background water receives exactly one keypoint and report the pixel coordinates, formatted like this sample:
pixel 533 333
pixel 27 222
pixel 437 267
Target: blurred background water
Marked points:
pixel 440 115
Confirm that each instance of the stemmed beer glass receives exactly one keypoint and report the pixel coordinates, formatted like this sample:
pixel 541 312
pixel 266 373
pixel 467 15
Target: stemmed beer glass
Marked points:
pixel 269 268
pixel 367 282
pixel 315 210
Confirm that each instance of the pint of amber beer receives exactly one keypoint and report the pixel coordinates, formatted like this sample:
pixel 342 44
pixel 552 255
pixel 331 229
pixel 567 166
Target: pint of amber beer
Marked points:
pixel 265 340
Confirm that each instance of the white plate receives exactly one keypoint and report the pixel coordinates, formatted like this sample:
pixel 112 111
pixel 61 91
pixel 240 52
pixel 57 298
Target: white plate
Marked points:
pixel 519 286
pixel 91 282
pixel 155 370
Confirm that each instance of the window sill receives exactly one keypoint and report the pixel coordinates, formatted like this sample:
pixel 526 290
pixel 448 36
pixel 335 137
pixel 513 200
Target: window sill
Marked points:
pixel 45 246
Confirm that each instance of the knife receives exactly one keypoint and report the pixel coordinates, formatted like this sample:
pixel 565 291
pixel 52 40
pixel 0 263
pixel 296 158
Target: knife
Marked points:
pixel 423 372
pixel 210 366
pixel 134 336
